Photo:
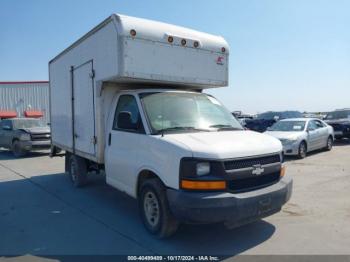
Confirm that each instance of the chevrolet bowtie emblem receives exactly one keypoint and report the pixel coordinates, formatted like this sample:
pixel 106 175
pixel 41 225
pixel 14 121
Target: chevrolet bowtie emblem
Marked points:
pixel 258 170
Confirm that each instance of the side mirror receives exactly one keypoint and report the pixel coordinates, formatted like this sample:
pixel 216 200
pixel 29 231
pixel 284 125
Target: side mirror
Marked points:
pixel 6 128
pixel 125 122
pixel 276 118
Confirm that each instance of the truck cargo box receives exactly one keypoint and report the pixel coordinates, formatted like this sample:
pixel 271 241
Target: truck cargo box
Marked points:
pixel 127 52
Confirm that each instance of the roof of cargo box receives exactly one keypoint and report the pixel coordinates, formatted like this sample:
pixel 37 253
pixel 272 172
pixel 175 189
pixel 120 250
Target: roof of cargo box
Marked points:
pixel 159 32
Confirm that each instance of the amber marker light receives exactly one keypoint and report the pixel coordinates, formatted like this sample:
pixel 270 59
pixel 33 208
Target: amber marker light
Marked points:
pixel 133 32
pixel 170 39
pixel 203 185
pixel 283 171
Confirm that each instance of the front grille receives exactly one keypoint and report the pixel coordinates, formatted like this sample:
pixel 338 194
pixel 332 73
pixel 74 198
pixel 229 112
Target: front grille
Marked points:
pixel 250 183
pixel 40 137
pixel 250 162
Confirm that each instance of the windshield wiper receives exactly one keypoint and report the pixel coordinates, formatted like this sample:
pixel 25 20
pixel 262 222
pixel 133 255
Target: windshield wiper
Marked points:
pixel 175 128
pixel 225 127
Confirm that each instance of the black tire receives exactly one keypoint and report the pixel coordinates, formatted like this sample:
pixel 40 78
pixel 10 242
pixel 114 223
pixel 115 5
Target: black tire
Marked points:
pixel 77 169
pixel 302 151
pixel 17 150
pixel 66 162
pixel 154 209
pixel 329 143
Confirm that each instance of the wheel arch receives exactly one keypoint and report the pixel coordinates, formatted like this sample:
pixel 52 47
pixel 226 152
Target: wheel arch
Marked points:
pixel 143 175
pixel 306 144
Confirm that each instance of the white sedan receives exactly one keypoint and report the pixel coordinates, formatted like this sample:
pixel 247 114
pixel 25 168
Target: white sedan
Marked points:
pixel 301 135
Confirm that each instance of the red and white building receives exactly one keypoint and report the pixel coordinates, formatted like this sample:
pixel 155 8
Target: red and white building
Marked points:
pixel 25 99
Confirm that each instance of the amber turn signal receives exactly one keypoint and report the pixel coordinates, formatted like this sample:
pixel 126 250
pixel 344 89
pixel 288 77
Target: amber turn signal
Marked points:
pixel 283 171
pixel 170 39
pixel 203 185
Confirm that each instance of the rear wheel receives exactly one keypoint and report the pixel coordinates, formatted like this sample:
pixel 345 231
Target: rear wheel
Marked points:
pixel 17 150
pixel 329 144
pixel 154 209
pixel 77 169
pixel 302 150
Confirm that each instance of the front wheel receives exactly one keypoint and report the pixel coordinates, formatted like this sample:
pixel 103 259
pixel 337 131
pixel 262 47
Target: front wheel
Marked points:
pixel 154 209
pixel 17 150
pixel 302 150
pixel 329 144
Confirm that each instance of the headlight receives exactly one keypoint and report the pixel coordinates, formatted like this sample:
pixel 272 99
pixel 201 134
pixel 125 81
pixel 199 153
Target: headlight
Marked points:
pixel 288 141
pixel 203 168
pixel 24 137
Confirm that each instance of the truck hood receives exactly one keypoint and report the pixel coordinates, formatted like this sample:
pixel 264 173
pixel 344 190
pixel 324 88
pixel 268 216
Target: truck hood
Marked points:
pixel 344 121
pixel 226 144
pixel 284 135
pixel 37 130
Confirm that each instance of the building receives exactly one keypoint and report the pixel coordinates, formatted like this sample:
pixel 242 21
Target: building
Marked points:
pixel 24 97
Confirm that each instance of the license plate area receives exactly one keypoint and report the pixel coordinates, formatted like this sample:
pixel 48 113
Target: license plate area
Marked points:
pixel 264 206
pixel 338 133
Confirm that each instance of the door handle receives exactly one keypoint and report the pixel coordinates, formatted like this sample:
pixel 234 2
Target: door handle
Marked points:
pixel 109 139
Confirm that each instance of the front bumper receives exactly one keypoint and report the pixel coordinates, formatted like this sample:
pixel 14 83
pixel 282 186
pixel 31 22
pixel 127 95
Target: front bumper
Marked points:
pixel 291 149
pixel 232 209
pixel 33 145
pixel 342 134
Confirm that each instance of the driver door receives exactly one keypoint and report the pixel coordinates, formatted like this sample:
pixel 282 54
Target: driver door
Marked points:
pixel 323 134
pixel 313 136
pixel 122 145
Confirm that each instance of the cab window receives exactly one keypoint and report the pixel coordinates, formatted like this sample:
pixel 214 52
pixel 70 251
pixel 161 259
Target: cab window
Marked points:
pixel 319 124
pixel 312 125
pixel 127 103
pixel 6 124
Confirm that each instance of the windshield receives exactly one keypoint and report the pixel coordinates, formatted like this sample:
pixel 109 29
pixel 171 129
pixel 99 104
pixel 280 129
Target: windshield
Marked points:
pixel 27 123
pixel 280 115
pixel 288 126
pixel 338 115
pixel 168 111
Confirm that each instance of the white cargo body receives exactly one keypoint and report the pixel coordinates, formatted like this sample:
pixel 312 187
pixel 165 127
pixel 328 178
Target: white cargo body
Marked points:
pixel 122 53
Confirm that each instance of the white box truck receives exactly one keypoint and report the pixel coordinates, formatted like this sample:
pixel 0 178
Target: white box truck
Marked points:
pixel 126 99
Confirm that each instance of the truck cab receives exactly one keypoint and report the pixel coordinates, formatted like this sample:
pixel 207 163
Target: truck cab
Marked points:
pixel 185 157
pixel 154 132
pixel 340 121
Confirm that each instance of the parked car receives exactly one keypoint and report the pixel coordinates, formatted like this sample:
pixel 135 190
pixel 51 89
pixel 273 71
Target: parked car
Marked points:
pixel 300 135
pixel 242 118
pixel 267 119
pixel 22 135
pixel 340 121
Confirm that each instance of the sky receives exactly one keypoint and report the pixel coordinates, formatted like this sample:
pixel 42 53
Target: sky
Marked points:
pixel 284 54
